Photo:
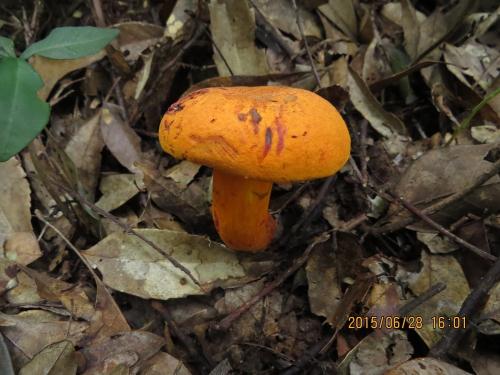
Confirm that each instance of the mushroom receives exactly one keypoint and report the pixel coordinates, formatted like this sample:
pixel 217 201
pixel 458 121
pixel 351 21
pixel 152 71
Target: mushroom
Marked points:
pixel 252 137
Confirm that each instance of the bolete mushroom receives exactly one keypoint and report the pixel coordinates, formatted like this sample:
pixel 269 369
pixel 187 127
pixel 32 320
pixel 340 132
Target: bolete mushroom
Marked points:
pixel 252 137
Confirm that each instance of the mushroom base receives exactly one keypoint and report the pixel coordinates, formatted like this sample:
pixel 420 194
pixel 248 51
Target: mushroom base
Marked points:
pixel 240 212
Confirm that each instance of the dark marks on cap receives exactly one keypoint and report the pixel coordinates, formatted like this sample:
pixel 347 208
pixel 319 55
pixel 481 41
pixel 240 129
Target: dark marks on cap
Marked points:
pixel 256 118
pixel 268 142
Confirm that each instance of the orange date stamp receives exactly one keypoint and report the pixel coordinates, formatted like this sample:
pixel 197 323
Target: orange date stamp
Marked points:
pixel 385 322
pixel 405 322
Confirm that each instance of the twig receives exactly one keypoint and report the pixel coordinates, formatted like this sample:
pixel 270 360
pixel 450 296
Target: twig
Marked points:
pixel 469 308
pixel 127 229
pixel 445 232
pixel 225 323
pixel 442 203
pixel 315 350
pixel 186 341
pixel 306 44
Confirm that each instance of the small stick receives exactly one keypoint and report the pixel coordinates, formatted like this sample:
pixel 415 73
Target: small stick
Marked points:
pixel 306 44
pixel 469 307
pixel 442 203
pixel 225 323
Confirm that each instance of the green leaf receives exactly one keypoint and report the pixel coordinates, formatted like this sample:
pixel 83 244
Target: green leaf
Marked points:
pixel 23 114
pixel 6 47
pixel 71 42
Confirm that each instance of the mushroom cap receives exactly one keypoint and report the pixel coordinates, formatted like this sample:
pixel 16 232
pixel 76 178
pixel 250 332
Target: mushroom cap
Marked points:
pixel 267 133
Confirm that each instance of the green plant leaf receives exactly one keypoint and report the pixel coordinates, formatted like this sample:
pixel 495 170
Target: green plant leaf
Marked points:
pixel 23 114
pixel 7 47
pixel 71 42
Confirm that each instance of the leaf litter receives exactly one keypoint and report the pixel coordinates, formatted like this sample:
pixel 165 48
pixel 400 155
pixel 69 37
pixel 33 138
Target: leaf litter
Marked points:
pixel 405 75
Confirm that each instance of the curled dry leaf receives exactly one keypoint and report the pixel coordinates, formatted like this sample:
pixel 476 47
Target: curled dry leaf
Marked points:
pixel 130 265
pixel 17 240
pixel 55 359
pixel 426 366
pixel 232 24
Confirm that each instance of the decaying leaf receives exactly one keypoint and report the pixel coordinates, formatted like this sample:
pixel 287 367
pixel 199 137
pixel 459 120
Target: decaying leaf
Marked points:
pixel 323 283
pixel 342 14
pixel 377 353
pixel 116 189
pixel 17 240
pixel 232 23
pixel 485 133
pixel 120 138
pixel 442 172
pixel 164 364
pixel 31 331
pixel 183 173
pixel 436 243
pixel 130 265
pixel 426 366
pixel 136 37
pixel 55 359
pixel 52 70
pixel 438 268
pixel 129 350
pixel 84 149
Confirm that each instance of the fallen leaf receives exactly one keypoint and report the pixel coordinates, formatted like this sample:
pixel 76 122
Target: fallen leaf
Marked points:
pixel 323 283
pixel 55 359
pixel 183 173
pixel 485 363
pixel 486 133
pixel 130 265
pixel 120 138
pixel 31 331
pixel 164 364
pixel 474 64
pixel 16 232
pixel 117 189
pixel 442 172
pixel 8 271
pixel 128 349
pixel 438 268
pixel 232 24
pixel 426 366
pixel 341 13
pixel 136 37
pixel 178 17
pixel 84 149
pixel 377 353
pixel 52 70
pixel 436 243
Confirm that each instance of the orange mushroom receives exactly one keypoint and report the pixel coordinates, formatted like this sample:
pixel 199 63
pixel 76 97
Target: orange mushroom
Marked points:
pixel 252 137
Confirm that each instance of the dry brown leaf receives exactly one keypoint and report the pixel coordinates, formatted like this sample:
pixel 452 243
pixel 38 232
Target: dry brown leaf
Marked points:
pixel 183 173
pixel 341 13
pixel 84 149
pixel 323 287
pixel 426 366
pixel 52 70
pixel 120 138
pixel 442 172
pixel 164 364
pixel 136 37
pixel 31 331
pixel 55 359
pixel 130 265
pixel 128 349
pixel 376 353
pixel 447 270
pixel 116 190
pixel 232 24
pixel 17 240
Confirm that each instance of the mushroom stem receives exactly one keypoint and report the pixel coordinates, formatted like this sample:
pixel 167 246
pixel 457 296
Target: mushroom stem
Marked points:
pixel 240 211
